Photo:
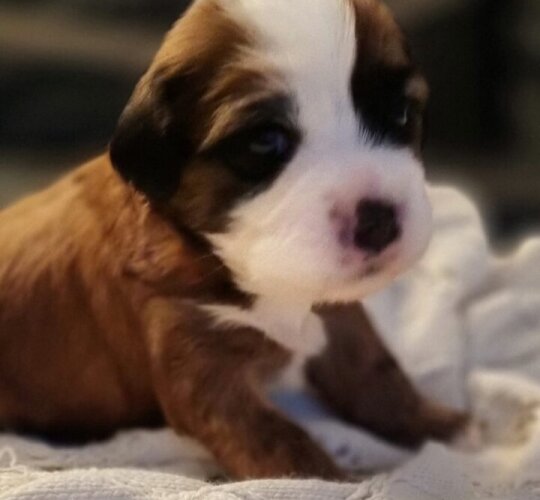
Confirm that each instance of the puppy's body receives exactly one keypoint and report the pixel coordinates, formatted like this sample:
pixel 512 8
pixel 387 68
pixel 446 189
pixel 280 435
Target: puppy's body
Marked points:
pixel 176 295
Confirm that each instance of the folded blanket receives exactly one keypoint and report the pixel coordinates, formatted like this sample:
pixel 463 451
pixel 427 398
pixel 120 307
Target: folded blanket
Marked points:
pixel 465 325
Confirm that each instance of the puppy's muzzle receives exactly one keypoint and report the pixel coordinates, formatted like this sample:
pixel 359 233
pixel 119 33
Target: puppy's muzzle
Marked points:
pixel 377 226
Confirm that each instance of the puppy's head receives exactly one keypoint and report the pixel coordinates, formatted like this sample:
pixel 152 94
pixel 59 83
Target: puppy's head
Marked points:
pixel 286 133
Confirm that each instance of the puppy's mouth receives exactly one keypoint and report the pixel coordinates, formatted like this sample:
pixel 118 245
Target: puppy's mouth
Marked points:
pixel 361 267
pixel 372 269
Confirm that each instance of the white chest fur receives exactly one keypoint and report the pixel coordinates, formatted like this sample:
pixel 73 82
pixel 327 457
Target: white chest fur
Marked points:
pixel 293 326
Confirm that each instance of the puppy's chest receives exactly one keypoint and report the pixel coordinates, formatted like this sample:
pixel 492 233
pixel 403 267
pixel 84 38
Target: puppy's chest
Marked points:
pixel 294 327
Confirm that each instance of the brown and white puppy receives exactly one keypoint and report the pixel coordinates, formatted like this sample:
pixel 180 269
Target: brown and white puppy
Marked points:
pixel 268 165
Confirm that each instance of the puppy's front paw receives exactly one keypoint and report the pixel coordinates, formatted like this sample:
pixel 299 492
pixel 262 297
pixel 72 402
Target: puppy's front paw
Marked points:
pixel 440 423
pixel 470 437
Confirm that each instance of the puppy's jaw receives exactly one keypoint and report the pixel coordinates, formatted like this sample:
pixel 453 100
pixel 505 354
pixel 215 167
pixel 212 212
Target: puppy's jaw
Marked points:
pixel 286 241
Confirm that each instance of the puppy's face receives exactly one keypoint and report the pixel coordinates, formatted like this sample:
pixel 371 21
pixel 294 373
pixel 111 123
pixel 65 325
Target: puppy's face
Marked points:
pixel 287 133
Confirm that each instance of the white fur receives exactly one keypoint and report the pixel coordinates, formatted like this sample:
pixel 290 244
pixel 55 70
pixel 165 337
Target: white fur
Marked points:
pixel 284 243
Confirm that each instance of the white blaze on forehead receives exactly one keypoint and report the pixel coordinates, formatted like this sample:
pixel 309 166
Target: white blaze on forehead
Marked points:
pixel 313 45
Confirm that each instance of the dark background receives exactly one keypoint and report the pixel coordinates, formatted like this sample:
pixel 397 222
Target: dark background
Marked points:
pixel 67 68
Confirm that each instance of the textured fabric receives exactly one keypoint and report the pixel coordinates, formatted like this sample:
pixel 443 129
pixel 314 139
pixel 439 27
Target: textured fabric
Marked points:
pixel 466 326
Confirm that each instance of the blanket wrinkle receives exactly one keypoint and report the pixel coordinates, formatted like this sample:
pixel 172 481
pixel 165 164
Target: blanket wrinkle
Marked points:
pixel 464 323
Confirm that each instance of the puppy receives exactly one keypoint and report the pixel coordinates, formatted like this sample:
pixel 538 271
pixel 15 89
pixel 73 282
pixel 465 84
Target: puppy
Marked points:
pixel 266 166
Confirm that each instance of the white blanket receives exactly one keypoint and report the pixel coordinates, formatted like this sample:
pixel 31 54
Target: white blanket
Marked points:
pixel 466 326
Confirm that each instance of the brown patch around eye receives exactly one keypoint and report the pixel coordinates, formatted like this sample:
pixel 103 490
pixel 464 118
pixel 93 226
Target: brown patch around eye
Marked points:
pixel 255 109
pixel 388 93
pixel 205 82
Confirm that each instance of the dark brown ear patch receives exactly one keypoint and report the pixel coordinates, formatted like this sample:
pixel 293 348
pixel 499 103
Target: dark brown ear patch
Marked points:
pixel 150 145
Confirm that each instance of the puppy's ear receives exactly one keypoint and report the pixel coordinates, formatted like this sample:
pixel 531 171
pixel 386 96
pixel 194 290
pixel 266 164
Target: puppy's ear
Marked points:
pixel 151 143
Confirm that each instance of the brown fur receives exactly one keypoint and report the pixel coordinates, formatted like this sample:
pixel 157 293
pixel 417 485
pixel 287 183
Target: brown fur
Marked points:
pixel 379 38
pixel 100 286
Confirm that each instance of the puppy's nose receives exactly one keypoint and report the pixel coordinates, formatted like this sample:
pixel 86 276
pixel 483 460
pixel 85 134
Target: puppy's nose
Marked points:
pixel 377 226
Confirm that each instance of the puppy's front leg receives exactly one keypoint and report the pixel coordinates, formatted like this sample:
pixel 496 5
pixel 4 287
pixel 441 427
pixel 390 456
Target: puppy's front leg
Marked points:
pixel 206 380
pixel 361 379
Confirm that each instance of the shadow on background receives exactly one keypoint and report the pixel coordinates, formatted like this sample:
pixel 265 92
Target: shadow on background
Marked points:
pixel 68 67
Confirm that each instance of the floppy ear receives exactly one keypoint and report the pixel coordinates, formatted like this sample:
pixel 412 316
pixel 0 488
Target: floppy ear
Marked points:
pixel 150 144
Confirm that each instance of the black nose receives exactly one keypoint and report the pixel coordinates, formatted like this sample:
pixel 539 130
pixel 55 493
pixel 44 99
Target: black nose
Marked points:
pixel 377 226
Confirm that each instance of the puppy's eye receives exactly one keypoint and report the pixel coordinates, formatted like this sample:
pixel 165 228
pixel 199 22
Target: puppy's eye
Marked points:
pixel 258 153
pixel 405 113
pixel 402 115
pixel 270 142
